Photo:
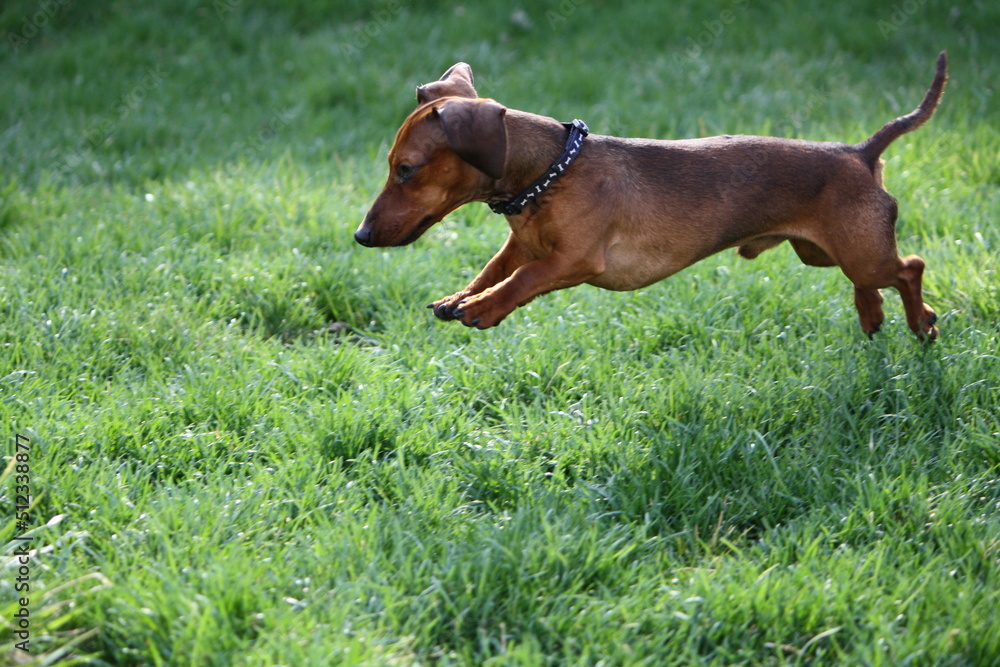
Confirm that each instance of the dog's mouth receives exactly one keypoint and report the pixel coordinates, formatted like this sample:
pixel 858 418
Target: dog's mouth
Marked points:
pixel 425 223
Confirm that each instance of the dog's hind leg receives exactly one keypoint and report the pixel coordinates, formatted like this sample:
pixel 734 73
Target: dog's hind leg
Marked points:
pixel 869 305
pixel 904 274
pixel 909 282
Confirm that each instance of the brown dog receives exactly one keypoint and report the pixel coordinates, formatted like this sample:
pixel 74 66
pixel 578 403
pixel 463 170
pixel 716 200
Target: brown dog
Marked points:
pixel 630 212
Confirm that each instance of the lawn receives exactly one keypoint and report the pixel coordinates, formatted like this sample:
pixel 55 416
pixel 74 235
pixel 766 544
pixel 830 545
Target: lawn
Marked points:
pixel 247 442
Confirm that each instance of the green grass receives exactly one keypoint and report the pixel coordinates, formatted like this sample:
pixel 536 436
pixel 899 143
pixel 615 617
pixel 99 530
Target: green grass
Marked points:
pixel 263 449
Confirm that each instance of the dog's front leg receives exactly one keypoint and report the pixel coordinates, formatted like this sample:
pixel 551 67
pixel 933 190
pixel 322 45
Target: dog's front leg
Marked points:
pixel 512 255
pixel 556 271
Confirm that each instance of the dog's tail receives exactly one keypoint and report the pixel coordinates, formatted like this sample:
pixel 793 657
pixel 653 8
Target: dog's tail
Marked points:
pixel 871 148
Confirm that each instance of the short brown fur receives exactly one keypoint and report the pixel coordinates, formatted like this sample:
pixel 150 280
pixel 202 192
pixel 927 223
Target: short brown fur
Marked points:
pixel 630 212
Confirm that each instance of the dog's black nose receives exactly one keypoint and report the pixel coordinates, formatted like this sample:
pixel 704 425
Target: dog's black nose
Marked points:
pixel 363 236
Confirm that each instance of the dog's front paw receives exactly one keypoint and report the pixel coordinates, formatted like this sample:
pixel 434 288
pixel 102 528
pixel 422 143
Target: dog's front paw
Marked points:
pixel 481 311
pixel 444 309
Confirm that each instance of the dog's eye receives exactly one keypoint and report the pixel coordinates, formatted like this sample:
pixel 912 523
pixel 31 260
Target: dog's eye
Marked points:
pixel 405 171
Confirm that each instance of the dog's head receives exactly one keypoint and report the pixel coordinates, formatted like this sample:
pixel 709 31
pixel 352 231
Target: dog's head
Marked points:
pixel 447 153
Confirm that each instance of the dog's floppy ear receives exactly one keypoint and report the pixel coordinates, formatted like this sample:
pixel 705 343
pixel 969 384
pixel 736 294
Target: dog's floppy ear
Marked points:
pixel 456 82
pixel 476 131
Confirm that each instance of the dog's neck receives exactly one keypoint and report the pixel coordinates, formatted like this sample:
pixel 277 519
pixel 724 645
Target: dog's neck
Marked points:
pixel 534 142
